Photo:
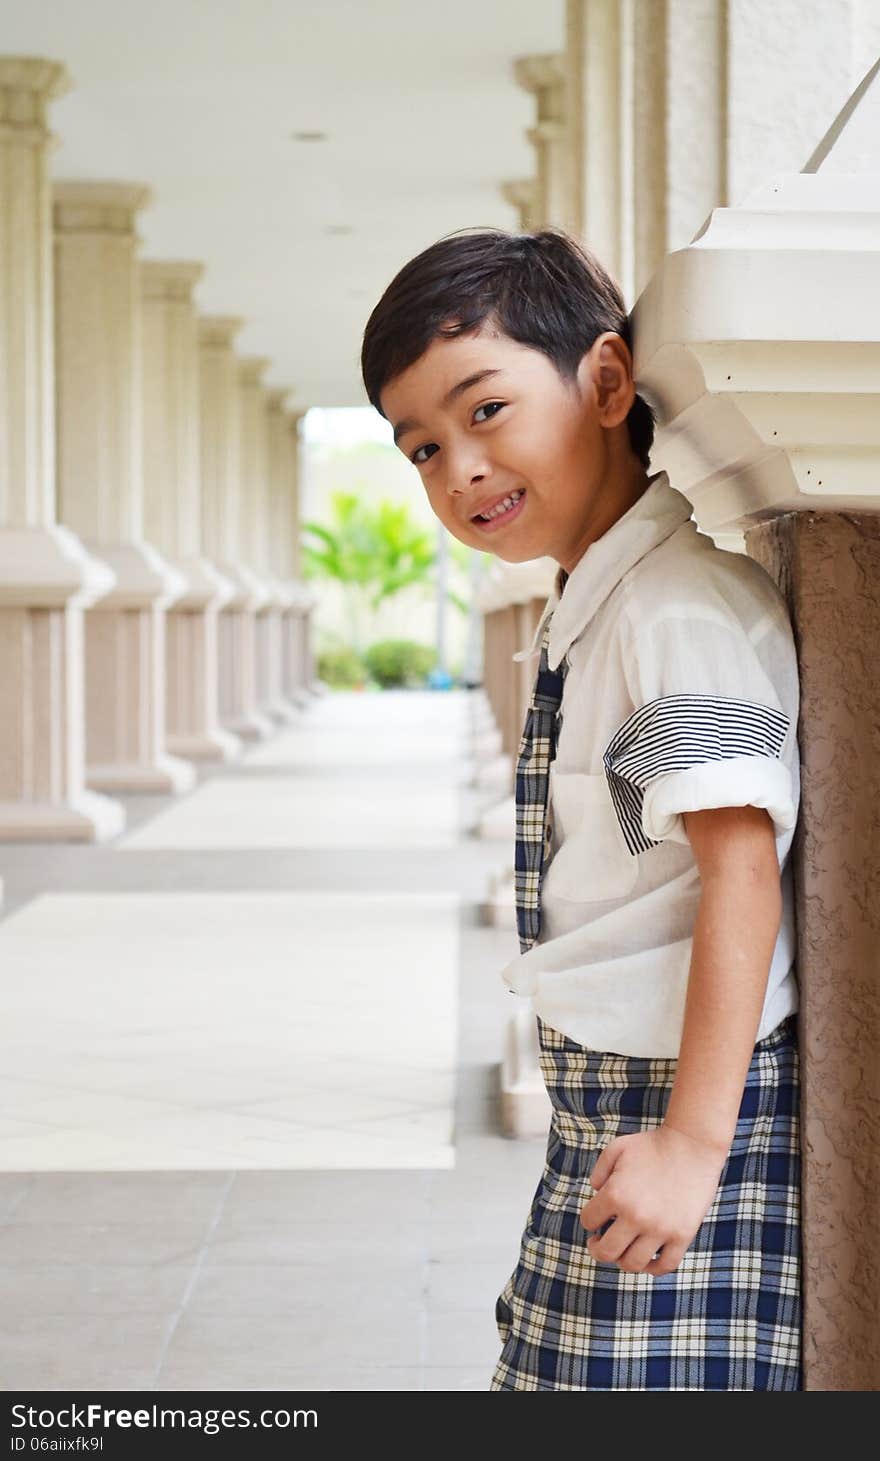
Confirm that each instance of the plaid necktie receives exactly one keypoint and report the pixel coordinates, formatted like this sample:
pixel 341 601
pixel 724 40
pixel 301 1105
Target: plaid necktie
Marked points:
pixel 537 749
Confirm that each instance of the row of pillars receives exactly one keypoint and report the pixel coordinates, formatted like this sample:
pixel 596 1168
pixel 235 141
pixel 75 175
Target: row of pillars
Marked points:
pixel 151 610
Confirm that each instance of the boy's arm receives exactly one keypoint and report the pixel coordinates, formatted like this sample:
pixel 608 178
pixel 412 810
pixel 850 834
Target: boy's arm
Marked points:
pixel 656 1186
pixel 737 922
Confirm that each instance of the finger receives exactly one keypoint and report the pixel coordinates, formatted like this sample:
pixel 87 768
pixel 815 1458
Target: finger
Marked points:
pixel 668 1259
pixel 639 1254
pixel 605 1163
pixel 608 1247
pixel 599 1210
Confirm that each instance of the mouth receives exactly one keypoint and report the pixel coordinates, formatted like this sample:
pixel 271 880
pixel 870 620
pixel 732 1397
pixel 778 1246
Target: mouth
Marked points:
pixel 505 512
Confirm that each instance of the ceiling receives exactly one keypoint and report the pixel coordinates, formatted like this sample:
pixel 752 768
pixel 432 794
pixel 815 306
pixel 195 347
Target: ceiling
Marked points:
pixel 199 99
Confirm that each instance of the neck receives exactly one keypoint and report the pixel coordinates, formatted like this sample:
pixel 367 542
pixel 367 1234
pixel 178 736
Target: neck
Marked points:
pixel 617 495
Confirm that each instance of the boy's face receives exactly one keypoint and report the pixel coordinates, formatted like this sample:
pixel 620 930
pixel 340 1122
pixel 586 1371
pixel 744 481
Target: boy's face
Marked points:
pixel 483 417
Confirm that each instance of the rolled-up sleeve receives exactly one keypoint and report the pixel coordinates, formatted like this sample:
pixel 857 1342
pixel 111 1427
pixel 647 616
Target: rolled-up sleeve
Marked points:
pixel 708 731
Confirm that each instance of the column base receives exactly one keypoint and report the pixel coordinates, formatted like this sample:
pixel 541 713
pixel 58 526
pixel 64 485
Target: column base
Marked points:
pixel 499 821
pixel 281 711
pixel 165 775
pixel 500 903
pixel 85 818
pixel 487 743
pixel 253 727
pixel 525 1105
pixel 215 745
pixel 496 772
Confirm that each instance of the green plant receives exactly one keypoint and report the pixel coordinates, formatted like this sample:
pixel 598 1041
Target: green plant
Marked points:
pixel 341 667
pixel 372 551
pixel 399 662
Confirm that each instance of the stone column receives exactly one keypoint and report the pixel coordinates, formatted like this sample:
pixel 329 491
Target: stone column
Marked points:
pixel 172 509
pixel 46 576
pixel 680 90
pixel 100 485
pixel 598 83
pixel 284 542
pixel 775 433
pixel 638 96
pixel 254 536
pixel 220 418
pixel 513 597
pixel 522 195
pixel 544 77
pixel 728 75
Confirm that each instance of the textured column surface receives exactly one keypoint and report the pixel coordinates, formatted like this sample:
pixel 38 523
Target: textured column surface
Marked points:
pixel 172 509
pixel 220 460
pixel 100 484
pixel 46 576
pixel 828 565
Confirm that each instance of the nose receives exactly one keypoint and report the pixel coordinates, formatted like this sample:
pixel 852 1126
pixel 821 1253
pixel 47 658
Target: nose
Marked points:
pixel 467 468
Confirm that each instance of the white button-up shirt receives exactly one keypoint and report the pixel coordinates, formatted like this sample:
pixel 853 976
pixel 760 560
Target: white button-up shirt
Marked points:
pixel 681 692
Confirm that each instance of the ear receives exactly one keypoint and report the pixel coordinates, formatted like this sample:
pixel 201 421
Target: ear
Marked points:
pixel 612 378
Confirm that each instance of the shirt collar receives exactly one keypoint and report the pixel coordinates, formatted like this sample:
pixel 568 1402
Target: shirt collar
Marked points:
pixel 574 599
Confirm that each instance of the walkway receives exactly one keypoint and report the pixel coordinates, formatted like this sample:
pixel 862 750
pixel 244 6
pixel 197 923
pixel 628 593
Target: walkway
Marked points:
pixel 249 1125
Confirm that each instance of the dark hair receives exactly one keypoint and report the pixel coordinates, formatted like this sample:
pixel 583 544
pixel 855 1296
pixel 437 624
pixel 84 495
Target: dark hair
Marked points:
pixel 543 289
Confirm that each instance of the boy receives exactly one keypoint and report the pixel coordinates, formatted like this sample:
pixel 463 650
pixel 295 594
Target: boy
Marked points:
pixel 662 1248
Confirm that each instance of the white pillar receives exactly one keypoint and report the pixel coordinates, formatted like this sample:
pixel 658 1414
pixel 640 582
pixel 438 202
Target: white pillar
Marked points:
pixel 172 509
pixel 673 117
pixel 284 520
pixel 598 84
pixel 220 418
pixel 100 485
pixel 522 195
pixel 680 77
pixel 254 536
pixel 544 77
pixel 280 488
pixel 46 576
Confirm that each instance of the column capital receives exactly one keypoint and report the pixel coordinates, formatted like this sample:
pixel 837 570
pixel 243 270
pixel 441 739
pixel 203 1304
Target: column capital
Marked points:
pixel 549 130
pixel 758 345
pixel 27 84
pixel 169 278
pixel 276 396
pixel 219 329
pixel 99 207
pixel 522 194
pixel 251 369
pixel 544 76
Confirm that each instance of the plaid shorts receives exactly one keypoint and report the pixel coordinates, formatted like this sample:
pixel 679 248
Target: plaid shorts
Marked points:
pixel 729 1317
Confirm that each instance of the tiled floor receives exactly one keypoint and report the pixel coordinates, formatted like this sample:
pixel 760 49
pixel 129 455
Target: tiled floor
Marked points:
pixel 366 1279
pixel 277 1030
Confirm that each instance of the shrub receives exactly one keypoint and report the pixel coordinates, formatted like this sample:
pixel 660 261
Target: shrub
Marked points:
pixel 399 662
pixel 341 668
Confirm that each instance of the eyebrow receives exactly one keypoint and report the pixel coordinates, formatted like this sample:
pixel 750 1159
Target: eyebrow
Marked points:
pixel 403 427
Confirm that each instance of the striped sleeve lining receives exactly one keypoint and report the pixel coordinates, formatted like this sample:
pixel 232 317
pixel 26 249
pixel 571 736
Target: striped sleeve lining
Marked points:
pixel 675 733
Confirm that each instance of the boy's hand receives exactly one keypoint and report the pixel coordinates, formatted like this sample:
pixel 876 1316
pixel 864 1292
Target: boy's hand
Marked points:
pixel 657 1185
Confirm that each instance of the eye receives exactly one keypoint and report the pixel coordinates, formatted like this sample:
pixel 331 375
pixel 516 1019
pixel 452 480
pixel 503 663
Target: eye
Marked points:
pixel 493 406
pixel 420 461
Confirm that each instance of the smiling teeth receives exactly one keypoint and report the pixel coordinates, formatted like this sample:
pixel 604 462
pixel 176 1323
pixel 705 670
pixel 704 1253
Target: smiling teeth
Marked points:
pixel 500 507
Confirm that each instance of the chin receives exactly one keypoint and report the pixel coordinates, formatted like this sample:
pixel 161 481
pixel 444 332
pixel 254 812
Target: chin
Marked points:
pixel 518 554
